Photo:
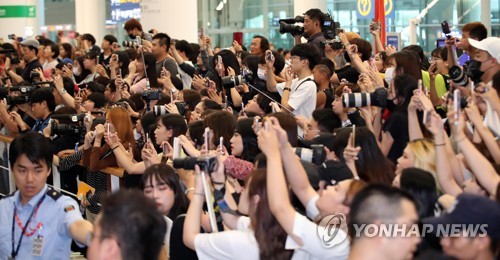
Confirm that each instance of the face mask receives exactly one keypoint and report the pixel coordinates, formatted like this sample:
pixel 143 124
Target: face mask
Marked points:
pixel 261 73
pixel 389 75
pixel 132 36
pixel 76 72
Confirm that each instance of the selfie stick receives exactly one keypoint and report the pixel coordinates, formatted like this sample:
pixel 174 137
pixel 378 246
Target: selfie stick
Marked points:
pixel 208 192
pixel 139 40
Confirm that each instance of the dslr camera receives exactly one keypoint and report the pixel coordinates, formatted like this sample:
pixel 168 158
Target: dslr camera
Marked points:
pixel 206 163
pixel 377 98
pixel 161 110
pixel 22 98
pixel 151 94
pixel 316 154
pixel 12 55
pixel 233 81
pixel 73 125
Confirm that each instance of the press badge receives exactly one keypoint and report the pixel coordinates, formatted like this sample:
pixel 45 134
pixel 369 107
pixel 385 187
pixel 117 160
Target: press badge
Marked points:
pixel 38 246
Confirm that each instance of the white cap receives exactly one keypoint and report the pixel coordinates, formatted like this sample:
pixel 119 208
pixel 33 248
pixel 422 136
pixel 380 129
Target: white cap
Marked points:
pixel 490 45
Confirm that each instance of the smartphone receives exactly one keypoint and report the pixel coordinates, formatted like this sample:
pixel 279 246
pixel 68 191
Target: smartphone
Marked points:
pixel 177 148
pixel 376 25
pixel 164 148
pixel 220 65
pixel 427 117
pixel 202 34
pixel 456 104
pixel 257 123
pixel 338 31
pixel 221 145
pixel 147 138
pixel 420 86
pixel 207 132
pixel 270 56
pixel 445 27
pixel 243 107
pixel 88 117
pixel 20 39
pixel 11 36
pixel 119 73
pixel 108 129
pixel 171 97
pixel 207 82
pixel 238 37
pixel 353 139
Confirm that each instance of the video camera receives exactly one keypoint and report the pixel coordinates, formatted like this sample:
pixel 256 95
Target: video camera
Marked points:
pixel 329 26
pixel 22 98
pixel 73 125
pixel 233 81
pixel 206 163
pixel 12 55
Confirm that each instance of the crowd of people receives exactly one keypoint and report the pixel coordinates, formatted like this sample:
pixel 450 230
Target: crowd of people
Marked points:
pixel 258 153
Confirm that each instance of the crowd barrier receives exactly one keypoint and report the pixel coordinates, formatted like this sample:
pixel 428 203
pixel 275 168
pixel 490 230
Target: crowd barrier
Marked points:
pixel 115 172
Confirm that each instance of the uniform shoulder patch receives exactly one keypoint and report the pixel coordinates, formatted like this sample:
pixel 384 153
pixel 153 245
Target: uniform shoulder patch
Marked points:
pixel 55 195
pixel 69 208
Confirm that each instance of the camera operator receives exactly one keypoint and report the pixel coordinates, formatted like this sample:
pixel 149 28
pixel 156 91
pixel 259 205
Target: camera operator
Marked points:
pixel 134 28
pixel 476 31
pixel 41 106
pixel 313 20
pixel 30 50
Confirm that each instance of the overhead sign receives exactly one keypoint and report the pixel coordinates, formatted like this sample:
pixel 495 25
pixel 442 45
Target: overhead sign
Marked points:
pixel 365 9
pixel 123 10
pixel 17 11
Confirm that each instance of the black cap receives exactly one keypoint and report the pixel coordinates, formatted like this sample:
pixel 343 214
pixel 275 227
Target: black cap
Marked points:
pixel 470 209
pixel 334 172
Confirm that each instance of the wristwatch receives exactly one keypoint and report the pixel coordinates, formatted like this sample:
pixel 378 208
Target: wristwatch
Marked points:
pixel 289 89
pixel 63 91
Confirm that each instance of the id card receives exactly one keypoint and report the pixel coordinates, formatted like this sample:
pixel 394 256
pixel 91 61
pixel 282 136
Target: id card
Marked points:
pixel 38 246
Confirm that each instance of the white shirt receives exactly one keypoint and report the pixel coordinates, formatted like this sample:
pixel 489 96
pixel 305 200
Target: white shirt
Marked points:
pixel 302 96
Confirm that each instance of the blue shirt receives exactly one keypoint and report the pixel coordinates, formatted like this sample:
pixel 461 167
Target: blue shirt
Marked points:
pixel 55 215
pixel 40 124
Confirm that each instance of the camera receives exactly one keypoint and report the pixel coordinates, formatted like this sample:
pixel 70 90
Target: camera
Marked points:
pixel 335 44
pixel 22 98
pixel 130 44
pixel 233 81
pixel 66 129
pixel 161 110
pixel 70 118
pixel 316 154
pixel 151 94
pixel 329 26
pixel 12 55
pixel 34 75
pixel 206 163
pixel 288 25
pixel 378 98
pixel 458 76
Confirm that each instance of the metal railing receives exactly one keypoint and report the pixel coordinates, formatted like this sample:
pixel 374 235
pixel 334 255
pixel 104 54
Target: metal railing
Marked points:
pixel 115 172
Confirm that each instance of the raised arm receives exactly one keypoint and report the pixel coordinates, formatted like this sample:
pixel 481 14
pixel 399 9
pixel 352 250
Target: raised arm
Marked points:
pixel 270 81
pixel 277 188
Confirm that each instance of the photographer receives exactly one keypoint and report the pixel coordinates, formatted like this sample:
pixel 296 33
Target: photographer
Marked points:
pixel 313 20
pixel 30 50
pixel 134 28
pixel 42 105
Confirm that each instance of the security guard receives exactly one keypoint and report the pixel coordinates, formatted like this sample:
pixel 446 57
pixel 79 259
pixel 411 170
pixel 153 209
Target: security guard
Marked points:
pixel 37 222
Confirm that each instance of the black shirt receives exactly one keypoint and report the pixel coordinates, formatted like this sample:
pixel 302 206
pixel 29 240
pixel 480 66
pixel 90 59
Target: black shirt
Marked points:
pixel 397 126
pixel 316 40
pixel 29 68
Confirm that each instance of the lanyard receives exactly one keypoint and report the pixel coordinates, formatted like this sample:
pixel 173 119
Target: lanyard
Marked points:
pixel 16 251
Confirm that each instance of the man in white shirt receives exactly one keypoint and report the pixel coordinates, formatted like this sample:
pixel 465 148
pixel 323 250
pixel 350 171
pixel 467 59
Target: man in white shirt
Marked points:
pixel 298 95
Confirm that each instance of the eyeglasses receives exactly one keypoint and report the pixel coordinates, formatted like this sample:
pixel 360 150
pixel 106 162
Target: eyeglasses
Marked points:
pixel 296 57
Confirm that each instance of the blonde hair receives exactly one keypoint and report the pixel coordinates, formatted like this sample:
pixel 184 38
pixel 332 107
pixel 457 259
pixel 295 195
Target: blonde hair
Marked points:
pixel 424 155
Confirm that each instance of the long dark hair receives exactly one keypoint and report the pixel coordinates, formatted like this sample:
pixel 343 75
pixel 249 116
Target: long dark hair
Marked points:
pixel 407 62
pixel 404 85
pixel 372 165
pixel 250 146
pixel 166 174
pixel 270 236
pixel 222 124
pixel 229 59
pixel 176 123
pixel 422 185
pixel 150 68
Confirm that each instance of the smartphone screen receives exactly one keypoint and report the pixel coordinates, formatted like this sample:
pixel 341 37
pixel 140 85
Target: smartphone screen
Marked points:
pixel 353 140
